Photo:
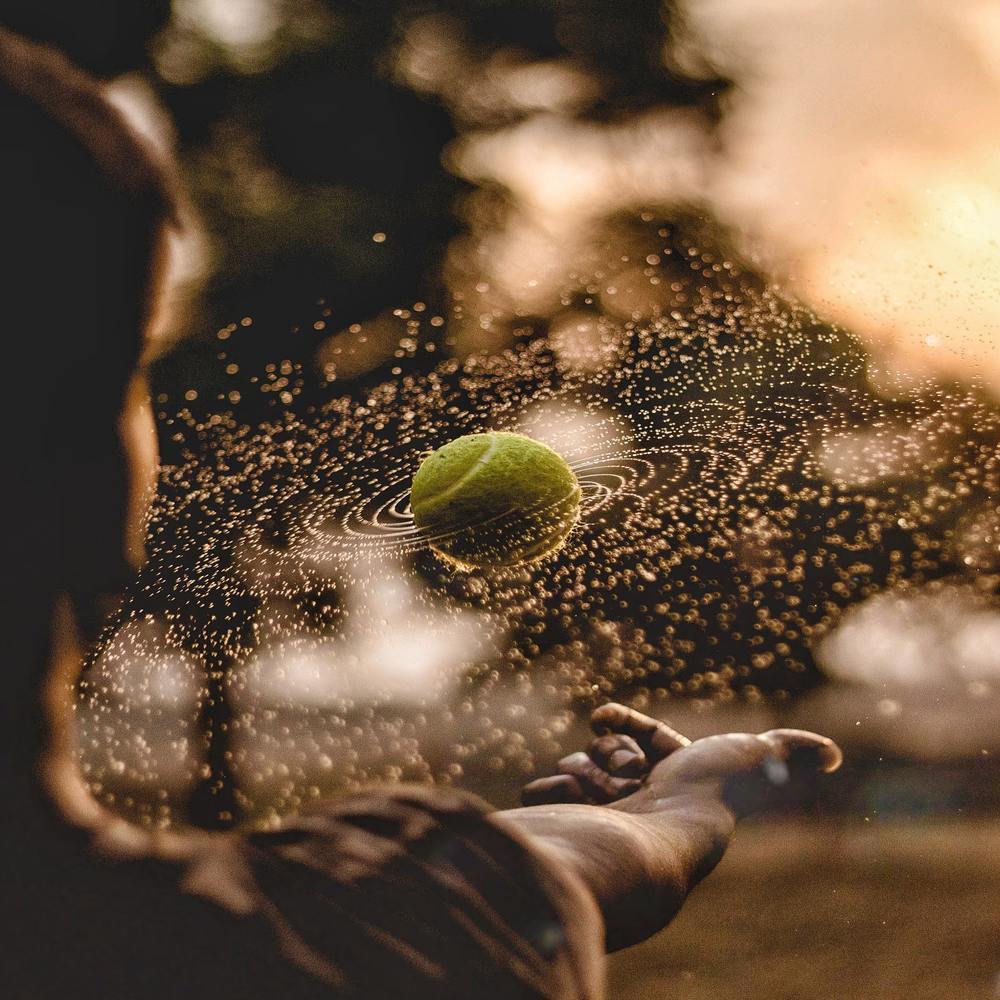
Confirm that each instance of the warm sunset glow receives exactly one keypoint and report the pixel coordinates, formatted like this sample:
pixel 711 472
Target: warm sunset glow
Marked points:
pixel 920 278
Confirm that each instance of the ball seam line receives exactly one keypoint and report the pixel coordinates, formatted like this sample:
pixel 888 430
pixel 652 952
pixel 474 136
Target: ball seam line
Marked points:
pixel 466 476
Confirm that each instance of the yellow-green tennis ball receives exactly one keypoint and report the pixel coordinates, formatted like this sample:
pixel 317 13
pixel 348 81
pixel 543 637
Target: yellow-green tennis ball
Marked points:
pixel 495 499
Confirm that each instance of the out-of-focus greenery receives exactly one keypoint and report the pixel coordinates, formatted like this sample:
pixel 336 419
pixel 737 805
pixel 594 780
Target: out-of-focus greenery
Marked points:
pixel 317 168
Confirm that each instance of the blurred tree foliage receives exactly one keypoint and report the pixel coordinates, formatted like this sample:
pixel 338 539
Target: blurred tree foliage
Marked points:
pixel 299 142
pixel 315 168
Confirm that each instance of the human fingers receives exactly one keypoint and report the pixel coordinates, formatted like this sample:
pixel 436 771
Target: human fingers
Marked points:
pixel 799 747
pixel 751 772
pixel 619 755
pixel 786 771
pixel 598 786
pixel 599 776
pixel 730 754
pixel 552 790
pixel 656 739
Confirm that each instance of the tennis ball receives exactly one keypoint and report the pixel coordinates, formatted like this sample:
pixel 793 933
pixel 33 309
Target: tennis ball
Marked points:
pixel 494 499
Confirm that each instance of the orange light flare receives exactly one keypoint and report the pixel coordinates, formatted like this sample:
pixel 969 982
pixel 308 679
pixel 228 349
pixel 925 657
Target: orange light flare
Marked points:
pixel 919 278
pixel 858 156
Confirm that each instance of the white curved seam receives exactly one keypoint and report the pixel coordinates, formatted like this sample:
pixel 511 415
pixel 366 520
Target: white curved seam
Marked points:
pixel 468 474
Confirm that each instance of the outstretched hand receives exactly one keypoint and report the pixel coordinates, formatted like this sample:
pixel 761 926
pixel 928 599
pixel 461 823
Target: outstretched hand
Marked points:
pixel 670 808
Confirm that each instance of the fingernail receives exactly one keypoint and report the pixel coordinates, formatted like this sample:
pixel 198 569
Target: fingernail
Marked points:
pixel 555 789
pixel 831 757
pixel 621 760
pixel 824 756
pixel 807 750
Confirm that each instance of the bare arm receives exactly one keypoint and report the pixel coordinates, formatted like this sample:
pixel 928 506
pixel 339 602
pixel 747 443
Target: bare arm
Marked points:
pixel 642 854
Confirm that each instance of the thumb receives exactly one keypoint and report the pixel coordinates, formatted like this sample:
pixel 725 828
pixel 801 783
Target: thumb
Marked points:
pixel 786 764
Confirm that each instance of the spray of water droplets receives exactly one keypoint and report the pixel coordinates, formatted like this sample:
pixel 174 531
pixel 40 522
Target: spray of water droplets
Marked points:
pixel 294 635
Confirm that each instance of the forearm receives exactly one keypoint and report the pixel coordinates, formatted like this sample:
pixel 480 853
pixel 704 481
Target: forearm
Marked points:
pixel 632 866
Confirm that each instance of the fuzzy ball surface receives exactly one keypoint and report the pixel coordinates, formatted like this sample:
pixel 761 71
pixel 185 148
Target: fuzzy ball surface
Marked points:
pixel 495 499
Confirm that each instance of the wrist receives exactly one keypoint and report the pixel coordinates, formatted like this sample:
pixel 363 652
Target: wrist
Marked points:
pixel 627 863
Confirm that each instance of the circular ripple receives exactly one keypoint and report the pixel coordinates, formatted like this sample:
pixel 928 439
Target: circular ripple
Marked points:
pixel 608 478
pixel 384 520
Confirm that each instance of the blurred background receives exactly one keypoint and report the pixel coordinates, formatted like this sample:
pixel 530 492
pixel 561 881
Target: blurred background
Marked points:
pixel 738 263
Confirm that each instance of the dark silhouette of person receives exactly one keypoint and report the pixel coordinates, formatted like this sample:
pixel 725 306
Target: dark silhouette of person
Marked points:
pixel 397 891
